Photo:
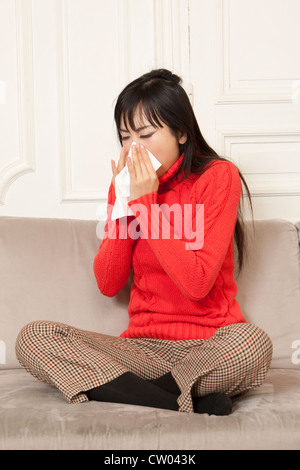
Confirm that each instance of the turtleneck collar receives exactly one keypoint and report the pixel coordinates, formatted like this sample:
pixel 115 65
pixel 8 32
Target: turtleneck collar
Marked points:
pixel 166 181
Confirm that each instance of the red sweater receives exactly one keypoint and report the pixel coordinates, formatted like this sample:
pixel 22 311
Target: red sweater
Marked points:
pixel 179 291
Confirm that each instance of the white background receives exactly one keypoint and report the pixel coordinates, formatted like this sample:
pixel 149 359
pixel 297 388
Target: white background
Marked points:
pixel 63 63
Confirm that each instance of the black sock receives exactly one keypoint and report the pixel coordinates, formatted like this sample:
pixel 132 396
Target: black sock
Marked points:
pixel 212 404
pixel 158 393
pixel 218 404
pixel 132 390
pixel 168 383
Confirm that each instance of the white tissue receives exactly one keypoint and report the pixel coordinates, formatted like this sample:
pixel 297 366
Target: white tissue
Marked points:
pixel 122 188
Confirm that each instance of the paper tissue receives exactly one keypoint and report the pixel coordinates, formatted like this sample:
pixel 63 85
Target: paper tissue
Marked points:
pixel 122 188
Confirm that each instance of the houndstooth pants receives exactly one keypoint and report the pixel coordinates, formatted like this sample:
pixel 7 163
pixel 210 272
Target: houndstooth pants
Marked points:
pixel 234 360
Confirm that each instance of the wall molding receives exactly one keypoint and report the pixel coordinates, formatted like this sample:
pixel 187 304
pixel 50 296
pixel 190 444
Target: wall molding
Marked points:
pixel 67 192
pixel 172 39
pixel 170 25
pixel 272 183
pixel 125 64
pixel 246 90
pixel 25 81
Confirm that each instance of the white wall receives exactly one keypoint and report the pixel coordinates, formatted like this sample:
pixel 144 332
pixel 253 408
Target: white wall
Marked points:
pixel 63 63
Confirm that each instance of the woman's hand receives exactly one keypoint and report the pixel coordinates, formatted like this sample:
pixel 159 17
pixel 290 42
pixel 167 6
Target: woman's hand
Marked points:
pixel 121 164
pixel 143 177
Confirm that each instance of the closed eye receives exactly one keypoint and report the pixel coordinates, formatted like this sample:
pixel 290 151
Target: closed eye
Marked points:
pixel 146 136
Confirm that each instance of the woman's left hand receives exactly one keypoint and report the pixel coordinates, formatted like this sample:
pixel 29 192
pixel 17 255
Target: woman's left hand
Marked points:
pixel 143 177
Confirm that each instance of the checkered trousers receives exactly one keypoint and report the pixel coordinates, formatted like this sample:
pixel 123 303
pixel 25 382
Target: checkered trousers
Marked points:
pixel 234 360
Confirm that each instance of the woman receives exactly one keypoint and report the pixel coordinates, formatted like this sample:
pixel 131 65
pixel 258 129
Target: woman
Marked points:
pixel 187 346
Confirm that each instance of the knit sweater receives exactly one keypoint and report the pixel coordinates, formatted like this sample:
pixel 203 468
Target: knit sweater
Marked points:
pixel 183 286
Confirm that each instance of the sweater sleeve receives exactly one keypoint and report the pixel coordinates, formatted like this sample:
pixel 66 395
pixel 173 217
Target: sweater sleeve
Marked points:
pixel 194 267
pixel 112 263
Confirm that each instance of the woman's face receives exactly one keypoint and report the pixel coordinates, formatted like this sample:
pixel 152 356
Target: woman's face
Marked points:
pixel 160 141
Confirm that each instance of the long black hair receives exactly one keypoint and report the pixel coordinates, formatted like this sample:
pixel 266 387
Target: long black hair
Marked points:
pixel 160 98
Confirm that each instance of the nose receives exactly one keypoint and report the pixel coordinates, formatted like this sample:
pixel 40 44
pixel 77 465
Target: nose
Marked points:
pixel 128 142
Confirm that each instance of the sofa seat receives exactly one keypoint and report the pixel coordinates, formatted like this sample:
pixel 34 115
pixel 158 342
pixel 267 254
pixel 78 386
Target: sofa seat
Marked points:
pixel 34 415
pixel 46 273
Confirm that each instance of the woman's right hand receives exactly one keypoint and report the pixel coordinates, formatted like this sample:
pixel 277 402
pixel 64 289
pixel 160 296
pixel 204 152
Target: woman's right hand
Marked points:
pixel 121 164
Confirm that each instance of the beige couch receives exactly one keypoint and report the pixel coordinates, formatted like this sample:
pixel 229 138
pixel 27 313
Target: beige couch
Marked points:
pixel 46 273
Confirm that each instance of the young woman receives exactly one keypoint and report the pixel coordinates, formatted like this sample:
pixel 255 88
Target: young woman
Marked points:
pixel 187 346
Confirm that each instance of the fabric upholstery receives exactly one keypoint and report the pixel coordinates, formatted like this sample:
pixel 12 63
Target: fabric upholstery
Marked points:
pixel 34 415
pixel 46 273
pixel 269 286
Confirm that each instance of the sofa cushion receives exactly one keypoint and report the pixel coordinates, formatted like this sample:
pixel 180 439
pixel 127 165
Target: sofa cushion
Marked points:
pixel 269 287
pixel 34 415
pixel 46 273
